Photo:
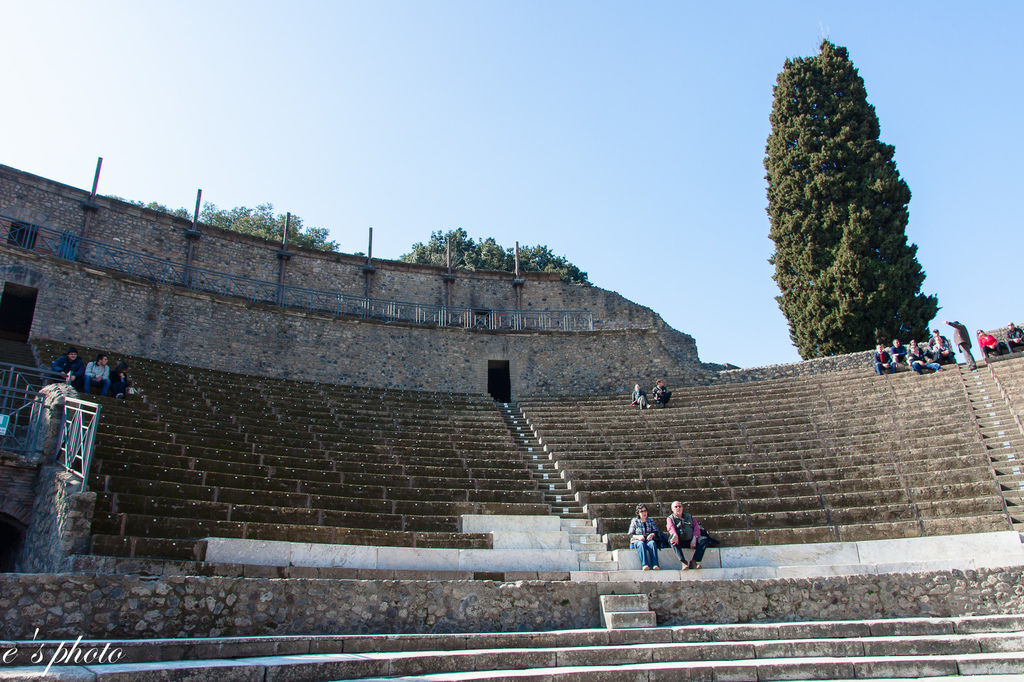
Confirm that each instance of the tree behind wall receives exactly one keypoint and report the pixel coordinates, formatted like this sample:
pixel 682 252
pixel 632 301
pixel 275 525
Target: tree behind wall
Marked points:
pixel 838 208
pixel 487 254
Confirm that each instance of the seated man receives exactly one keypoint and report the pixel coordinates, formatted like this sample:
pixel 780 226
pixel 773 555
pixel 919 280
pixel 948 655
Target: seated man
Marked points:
pixel 661 394
pixel 919 359
pixel 684 532
pixel 1015 338
pixel 71 367
pixel 898 352
pixel 939 349
pixel 990 345
pixel 883 361
pixel 97 373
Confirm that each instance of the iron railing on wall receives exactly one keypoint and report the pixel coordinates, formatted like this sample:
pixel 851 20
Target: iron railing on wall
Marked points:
pixel 23 428
pixel 21 420
pixel 25 377
pixel 69 246
pixel 77 436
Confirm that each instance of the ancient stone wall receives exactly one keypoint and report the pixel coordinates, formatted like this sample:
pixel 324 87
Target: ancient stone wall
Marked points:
pixel 101 606
pixel 89 306
pixel 125 314
pixel 60 523
pixel 835 363
pixel 44 202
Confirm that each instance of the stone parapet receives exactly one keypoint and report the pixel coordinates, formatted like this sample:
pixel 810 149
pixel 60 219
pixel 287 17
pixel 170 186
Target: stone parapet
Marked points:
pixel 102 606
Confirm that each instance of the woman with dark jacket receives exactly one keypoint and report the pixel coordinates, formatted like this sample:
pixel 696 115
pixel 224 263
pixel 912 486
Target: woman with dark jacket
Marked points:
pixel 643 537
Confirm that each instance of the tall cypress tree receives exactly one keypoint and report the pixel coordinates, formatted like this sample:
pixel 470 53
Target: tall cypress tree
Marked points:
pixel 838 211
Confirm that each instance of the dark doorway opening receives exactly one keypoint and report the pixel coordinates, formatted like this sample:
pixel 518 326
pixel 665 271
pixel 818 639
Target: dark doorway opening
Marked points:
pixel 10 544
pixel 17 307
pixel 499 385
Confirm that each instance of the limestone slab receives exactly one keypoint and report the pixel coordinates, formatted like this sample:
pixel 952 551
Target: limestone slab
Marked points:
pixel 940 547
pixel 419 558
pixel 252 552
pixel 531 539
pixel 495 523
pixel 334 556
pixel 817 554
pixel 517 560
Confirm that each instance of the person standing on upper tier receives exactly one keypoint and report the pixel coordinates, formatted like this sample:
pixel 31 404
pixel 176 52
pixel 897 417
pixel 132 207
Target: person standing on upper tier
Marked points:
pixel 962 338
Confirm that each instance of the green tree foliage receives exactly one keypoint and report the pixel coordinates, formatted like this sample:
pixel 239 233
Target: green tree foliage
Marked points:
pixel 838 211
pixel 487 254
pixel 260 221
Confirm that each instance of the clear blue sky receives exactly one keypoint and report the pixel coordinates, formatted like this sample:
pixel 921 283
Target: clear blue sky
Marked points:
pixel 627 136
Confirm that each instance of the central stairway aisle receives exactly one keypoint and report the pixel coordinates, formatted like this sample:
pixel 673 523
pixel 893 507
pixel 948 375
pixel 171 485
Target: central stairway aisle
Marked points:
pixel 1001 433
pixel 583 536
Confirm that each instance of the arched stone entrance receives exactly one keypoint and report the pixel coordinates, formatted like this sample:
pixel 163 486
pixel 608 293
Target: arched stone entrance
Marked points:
pixel 12 533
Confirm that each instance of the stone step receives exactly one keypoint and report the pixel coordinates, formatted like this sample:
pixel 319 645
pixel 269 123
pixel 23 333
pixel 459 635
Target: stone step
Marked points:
pixel 624 602
pixel 890 657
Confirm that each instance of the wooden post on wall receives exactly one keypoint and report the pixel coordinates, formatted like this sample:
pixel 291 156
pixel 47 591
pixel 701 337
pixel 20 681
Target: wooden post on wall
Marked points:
pixel 90 206
pixel 283 256
pixel 368 268
pixel 192 237
pixel 448 277
pixel 518 282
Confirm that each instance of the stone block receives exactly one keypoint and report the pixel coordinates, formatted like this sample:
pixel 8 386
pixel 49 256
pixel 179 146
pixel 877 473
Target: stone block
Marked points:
pixel 415 558
pixel 321 555
pixel 826 553
pixel 956 547
pixel 497 523
pixel 517 560
pixel 991 664
pixel 514 539
pixel 259 552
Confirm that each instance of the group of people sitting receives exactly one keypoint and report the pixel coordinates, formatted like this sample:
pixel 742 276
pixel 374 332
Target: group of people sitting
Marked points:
pixel 939 351
pixel 95 375
pixel 659 394
pixel 683 532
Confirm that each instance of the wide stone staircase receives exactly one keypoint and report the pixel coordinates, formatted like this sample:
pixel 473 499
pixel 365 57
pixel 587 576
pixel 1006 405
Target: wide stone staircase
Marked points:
pixel 211 454
pixel 997 393
pixel 934 648
pixel 843 457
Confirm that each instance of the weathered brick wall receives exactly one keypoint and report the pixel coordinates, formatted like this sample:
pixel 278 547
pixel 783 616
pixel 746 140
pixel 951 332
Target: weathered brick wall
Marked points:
pixel 100 606
pixel 86 306
pixel 40 201
pixel 17 481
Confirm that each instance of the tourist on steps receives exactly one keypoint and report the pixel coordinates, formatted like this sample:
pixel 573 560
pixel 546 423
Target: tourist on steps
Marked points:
pixel 119 380
pixel 940 349
pixel 97 373
pixel 962 338
pixel 1014 337
pixel 639 397
pixel 683 532
pixel 661 394
pixel 71 367
pixel 919 360
pixel 883 361
pixel 643 537
pixel 990 345
pixel 898 352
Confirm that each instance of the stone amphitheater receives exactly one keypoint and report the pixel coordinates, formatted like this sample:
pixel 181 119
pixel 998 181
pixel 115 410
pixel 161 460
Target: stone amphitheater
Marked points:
pixel 385 479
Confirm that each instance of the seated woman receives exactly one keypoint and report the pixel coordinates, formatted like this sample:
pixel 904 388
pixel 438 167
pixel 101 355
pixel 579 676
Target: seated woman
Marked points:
pixel 639 397
pixel 643 536
pixel 684 531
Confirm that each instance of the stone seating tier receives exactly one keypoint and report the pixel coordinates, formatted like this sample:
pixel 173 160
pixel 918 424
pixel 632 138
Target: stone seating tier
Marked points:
pixel 983 647
pixel 819 458
pixel 202 454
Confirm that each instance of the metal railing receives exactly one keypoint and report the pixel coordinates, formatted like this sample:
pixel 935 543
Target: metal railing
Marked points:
pixel 77 435
pixel 25 377
pixel 69 246
pixel 21 420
